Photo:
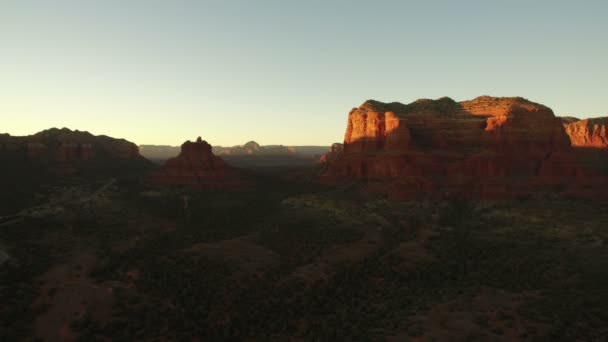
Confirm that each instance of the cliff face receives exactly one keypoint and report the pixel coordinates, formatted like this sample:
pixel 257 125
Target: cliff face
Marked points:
pixel 587 133
pixel 486 147
pixel 373 127
pixel 589 139
pixel 197 167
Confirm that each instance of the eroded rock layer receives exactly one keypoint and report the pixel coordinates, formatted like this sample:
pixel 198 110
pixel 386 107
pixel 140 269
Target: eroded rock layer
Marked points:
pixel 487 147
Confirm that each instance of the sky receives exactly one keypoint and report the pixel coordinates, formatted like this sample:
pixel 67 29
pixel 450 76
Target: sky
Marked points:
pixel 285 72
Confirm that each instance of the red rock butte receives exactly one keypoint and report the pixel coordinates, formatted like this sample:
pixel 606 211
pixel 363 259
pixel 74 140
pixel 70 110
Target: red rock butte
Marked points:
pixel 197 167
pixel 488 147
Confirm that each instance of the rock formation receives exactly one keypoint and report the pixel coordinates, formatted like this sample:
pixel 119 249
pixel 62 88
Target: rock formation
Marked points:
pixel 591 132
pixel 487 147
pixel 252 148
pixel 65 145
pixel 334 152
pixel 197 167
pixel 51 157
pixel 589 138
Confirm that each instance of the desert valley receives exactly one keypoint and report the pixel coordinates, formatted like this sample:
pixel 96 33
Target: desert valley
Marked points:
pixel 435 220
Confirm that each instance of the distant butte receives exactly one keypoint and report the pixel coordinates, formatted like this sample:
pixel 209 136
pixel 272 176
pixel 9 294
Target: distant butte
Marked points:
pixel 489 147
pixel 197 167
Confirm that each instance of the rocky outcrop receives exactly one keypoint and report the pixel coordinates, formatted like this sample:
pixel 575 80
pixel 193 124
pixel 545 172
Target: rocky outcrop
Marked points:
pixel 334 152
pixel 487 147
pixel 197 167
pixel 591 132
pixel 375 126
pixel 589 138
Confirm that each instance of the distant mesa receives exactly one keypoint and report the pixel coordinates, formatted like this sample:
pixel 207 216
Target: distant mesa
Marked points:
pixel 197 167
pixel 251 148
pixel 66 145
pixel 489 147
pixel 64 150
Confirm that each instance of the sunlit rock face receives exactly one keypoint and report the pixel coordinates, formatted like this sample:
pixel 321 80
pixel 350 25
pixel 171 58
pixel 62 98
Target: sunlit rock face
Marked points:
pixel 591 132
pixel 196 166
pixel 373 127
pixel 589 138
pixel 487 147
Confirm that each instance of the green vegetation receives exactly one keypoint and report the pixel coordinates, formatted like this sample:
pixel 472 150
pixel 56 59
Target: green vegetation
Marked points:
pixel 291 260
pixel 443 106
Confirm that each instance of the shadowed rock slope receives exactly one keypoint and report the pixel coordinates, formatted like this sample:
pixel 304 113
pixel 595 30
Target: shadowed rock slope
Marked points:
pixel 67 152
pixel 61 145
pixel 31 164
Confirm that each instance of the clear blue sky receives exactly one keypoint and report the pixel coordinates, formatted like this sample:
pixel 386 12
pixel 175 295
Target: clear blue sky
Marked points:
pixel 285 71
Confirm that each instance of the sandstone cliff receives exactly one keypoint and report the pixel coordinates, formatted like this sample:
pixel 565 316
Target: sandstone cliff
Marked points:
pixel 486 147
pixel 591 132
pixel 197 167
pixel 589 138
